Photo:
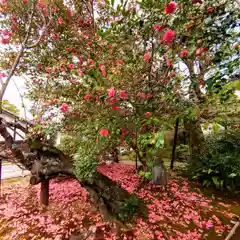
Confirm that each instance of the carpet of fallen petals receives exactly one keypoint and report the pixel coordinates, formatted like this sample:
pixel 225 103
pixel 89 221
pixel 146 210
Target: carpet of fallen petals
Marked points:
pixel 177 212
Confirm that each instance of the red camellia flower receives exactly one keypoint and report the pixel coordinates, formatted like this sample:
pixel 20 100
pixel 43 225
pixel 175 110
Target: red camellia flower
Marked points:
pixel 149 95
pixel 196 1
pixel 116 108
pixel 87 97
pixel 183 53
pixel 112 101
pixel 39 65
pixel 120 62
pixel 61 68
pixel 210 9
pixel 200 82
pixel 5 40
pixel 54 37
pixel 173 74
pixel 64 107
pixel 147 56
pixel 158 28
pixel 148 114
pixel 25 1
pixel 71 66
pixel 169 63
pixel 104 132
pixel 170 7
pixel 169 36
pixel 60 21
pixel 123 95
pixel 199 51
pixel 111 92
pixel 90 61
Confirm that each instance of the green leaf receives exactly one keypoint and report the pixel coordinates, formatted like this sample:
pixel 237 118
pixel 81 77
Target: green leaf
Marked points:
pixel 148 175
pixel 216 181
pixel 232 175
pixel 160 139
pixel 210 170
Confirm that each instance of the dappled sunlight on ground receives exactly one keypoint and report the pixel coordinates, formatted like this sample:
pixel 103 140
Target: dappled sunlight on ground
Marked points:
pixel 176 212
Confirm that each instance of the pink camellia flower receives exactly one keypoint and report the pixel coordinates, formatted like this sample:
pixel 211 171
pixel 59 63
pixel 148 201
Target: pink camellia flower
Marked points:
pixel 169 36
pixel 123 95
pixel 184 53
pixel 170 7
pixel 81 74
pixel 2 75
pixel 64 107
pixel 6 33
pixel 111 92
pixel 104 132
pixel 148 114
pixel 47 69
pixel 102 68
pixel 147 57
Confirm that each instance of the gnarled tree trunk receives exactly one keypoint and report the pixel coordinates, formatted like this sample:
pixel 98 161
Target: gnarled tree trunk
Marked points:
pixel 46 162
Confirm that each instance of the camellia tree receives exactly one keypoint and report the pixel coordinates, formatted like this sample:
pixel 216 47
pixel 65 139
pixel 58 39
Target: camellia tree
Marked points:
pixel 122 72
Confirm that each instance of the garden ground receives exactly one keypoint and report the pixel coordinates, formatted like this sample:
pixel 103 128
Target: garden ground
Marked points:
pixel 179 211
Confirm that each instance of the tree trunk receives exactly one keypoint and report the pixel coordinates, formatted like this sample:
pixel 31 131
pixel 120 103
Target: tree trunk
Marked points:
pixel 196 139
pixel 108 195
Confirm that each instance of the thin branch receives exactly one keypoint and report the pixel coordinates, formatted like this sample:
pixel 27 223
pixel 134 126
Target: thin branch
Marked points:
pixel 44 28
pixel 23 105
pixel 16 62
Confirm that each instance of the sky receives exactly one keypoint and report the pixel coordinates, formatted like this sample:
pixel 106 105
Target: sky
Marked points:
pixel 13 96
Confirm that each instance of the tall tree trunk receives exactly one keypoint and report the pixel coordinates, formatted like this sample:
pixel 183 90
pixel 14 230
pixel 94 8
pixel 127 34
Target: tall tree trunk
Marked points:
pixel 196 139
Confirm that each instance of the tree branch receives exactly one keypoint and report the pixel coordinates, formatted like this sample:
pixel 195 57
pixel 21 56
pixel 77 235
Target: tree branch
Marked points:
pixel 16 62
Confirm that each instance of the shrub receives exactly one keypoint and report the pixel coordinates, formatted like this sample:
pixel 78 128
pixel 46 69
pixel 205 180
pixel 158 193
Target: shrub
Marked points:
pixel 128 208
pixel 220 166
pixel 69 145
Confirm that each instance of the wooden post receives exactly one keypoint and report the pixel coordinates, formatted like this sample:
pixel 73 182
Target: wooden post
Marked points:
pixel 14 130
pixel 44 194
pixel 174 143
